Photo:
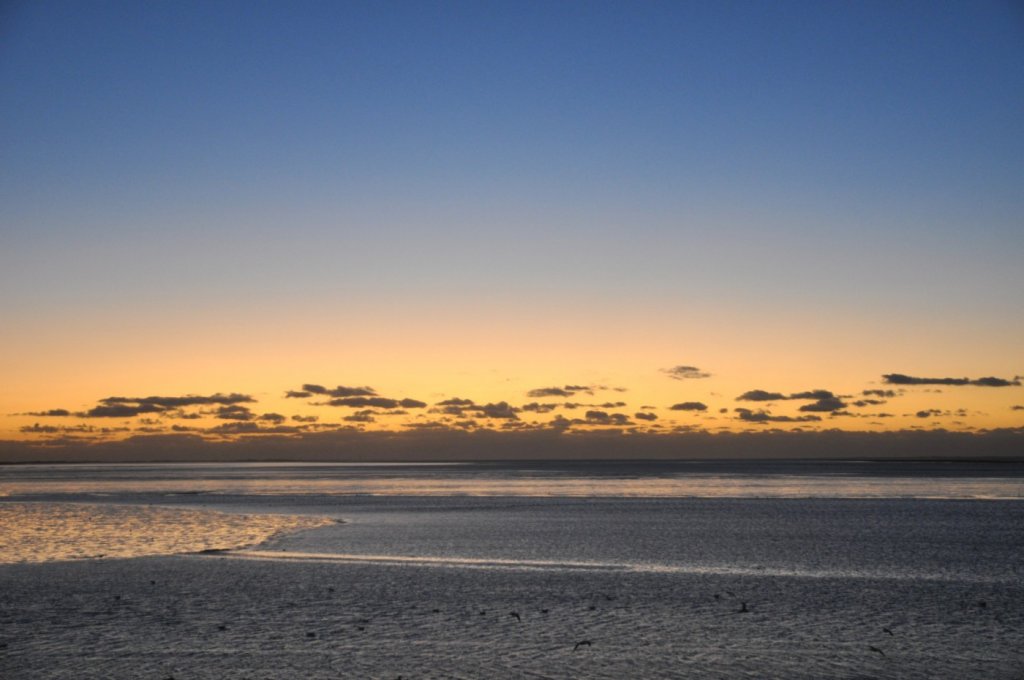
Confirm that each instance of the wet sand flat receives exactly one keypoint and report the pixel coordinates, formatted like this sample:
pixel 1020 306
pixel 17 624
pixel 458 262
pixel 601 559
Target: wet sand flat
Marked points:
pixel 435 586
pixel 214 616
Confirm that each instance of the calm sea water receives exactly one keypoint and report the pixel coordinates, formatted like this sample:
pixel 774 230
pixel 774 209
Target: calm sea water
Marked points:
pixel 581 479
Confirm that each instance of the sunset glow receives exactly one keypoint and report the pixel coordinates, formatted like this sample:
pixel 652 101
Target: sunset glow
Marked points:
pixel 557 220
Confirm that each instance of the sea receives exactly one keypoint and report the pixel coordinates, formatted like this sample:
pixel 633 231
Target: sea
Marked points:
pixel 696 569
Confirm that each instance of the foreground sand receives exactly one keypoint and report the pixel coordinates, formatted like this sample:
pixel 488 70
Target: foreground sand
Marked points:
pixel 222 617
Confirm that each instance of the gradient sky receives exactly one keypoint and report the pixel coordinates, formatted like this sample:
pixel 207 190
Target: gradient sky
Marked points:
pixel 477 200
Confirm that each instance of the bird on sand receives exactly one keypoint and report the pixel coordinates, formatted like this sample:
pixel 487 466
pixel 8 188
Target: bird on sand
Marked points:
pixel 582 643
pixel 516 614
pixel 876 649
pixel 743 608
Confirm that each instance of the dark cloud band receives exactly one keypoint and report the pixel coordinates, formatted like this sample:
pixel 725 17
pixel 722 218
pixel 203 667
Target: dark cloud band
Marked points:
pixel 901 379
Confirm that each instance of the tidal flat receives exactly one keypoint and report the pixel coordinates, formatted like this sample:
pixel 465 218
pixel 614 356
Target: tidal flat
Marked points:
pixel 450 585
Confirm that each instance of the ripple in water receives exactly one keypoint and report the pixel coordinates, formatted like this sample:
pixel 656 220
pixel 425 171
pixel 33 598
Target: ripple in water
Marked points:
pixel 36 532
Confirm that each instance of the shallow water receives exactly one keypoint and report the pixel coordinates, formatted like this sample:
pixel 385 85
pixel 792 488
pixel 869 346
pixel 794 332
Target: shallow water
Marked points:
pixel 697 479
pixel 44 532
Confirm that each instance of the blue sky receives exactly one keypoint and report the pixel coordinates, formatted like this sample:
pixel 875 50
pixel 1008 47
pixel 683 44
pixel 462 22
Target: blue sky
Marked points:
pixel 773 165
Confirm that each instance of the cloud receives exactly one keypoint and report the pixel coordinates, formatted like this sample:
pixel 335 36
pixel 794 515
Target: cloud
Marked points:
pixel 127 407
pixel 550 392
pixel 813 394
pixel 760 395
pixel 1017 408
pixel 860 403
pixel 824 400
pixel 763 416
pixel 363 402
pixel 342 391
pixel 305 419
pixel 36 428
pixel 178 402
pixel 309 389
pixel 233 412
pixel 120 411
pixel 557 441
pixel 823 404
pixel 52 412
pixel 604 418
pixel 689 406
pixel 180 414
pixel 996 382
pixel 374 402
pixel 251 428
pixel 449 410
pixel 428 426
pixel 453 407
pixel 69 429
pixel 685 373
pixel 885 394
pixel 272 418
pixel 901 379
pixel 569 390
pixel 537 407
pixel 641 415
pixel 929 413
pixel 501 409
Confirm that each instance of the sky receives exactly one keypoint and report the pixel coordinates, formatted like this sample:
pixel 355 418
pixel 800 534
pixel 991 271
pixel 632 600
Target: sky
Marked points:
pixel 524 227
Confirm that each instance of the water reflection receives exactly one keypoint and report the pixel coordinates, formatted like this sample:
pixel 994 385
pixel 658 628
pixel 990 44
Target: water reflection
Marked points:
pixel 44 532
pixel 656 481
